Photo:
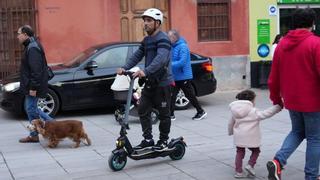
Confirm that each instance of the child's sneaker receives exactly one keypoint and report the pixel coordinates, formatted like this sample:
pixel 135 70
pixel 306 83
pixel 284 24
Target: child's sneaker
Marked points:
pixel 274 170
pixel 250 170
pixel 240 175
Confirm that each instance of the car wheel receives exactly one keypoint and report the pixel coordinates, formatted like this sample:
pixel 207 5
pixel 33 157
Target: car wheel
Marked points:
pixel 50 104
pixel 182 102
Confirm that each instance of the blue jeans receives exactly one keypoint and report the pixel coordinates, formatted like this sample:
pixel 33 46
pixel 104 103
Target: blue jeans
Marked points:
pixel 305 125
pixel 33 112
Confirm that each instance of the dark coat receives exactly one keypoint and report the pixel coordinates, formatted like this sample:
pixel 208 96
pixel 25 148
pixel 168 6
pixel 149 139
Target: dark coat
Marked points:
pixel 33 69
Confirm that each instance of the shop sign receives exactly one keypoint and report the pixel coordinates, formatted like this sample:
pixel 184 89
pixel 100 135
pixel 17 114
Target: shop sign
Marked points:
pixel 272 10
pixel 263 50
pixel 263 29
pixel 298 1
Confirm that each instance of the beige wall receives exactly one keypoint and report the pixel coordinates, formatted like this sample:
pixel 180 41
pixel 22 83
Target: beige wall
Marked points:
pixel 261 13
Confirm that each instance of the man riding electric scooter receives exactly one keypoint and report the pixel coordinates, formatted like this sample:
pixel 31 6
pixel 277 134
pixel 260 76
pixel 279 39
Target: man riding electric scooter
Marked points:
pixel 175 149
pixel 156 93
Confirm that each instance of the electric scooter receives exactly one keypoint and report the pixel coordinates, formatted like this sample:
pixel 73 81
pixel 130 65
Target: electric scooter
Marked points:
pixel 117 161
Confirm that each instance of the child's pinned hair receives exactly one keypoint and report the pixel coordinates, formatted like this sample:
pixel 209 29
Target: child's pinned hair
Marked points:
pixel 246 95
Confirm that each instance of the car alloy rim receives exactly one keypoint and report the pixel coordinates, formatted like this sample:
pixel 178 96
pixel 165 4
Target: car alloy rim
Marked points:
pixel 46 104
pixel 181 100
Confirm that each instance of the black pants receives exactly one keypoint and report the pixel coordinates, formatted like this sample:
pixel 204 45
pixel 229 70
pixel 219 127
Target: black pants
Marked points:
pixel 159 98
pixel 186 87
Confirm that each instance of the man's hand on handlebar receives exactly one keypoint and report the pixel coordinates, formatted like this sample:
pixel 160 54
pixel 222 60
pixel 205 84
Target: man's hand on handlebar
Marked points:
pixel 120 71
pixel 139 74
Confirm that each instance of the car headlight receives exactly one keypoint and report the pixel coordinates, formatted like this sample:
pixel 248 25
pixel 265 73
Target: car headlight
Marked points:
pixel 11 87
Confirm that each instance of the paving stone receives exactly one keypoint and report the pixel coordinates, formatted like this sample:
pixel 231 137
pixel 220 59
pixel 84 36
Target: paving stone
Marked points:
pixel 209 156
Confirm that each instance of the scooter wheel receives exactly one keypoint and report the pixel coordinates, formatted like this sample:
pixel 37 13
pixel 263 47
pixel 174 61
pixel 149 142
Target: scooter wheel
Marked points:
pixel 179 151
pixel 117 162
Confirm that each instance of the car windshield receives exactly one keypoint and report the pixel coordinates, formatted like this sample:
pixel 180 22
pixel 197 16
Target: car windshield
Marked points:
pixel 80 58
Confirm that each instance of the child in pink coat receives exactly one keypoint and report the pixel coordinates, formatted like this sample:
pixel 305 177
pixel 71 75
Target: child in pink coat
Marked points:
pixel 244 126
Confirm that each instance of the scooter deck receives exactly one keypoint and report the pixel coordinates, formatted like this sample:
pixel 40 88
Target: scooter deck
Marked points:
pixel 150 152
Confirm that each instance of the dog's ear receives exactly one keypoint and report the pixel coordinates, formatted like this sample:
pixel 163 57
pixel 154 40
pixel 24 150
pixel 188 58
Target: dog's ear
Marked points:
pixel 38 122
pixel 41 123
pixel 41 131
pixel 34 122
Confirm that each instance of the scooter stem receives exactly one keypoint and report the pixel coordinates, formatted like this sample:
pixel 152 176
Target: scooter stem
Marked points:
pixel 124 124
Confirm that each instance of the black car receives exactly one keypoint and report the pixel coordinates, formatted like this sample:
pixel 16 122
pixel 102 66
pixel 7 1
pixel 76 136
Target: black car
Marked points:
pixel 84 81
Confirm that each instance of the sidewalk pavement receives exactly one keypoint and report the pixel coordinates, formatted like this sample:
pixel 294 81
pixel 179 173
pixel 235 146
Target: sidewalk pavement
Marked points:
pixel 209 156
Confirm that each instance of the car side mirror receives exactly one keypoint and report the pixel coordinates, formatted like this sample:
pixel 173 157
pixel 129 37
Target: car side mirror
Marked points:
pixel 91 65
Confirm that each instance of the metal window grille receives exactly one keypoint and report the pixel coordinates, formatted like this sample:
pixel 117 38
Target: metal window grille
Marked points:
pixel 13 14
pixel 213 20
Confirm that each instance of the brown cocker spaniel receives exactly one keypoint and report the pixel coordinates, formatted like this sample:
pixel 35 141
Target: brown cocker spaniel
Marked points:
pixel 55 131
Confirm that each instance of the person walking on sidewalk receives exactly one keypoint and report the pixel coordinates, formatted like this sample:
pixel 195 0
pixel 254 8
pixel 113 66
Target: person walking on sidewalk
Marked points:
pixel 275 43
pixel 244 126
pixel 156 93
pixel 182 74
pixel 295 82
pixel 33 78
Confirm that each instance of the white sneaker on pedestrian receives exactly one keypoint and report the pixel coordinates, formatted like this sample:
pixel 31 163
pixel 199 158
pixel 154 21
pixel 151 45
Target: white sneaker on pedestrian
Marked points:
pixel 250 170
pixel 173 118
pixel 240 175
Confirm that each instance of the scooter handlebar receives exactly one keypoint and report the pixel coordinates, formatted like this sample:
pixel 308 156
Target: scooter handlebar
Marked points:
pixel 128 73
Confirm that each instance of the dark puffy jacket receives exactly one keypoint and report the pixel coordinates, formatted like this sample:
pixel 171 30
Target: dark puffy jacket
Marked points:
pixel 181 61
pixel 33 69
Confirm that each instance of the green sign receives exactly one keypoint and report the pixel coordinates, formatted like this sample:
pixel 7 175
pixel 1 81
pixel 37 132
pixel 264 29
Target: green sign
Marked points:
pixel 263 27
pixel 298 1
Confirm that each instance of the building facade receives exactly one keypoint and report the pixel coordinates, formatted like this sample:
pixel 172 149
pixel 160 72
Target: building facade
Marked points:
pixel 274 17
pixel 215 28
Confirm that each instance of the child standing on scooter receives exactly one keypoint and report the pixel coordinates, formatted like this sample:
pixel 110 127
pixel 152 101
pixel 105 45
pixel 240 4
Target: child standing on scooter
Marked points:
pixel 244 126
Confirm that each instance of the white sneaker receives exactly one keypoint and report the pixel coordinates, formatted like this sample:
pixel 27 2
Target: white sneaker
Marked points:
pixel 250 170
pixel 240 175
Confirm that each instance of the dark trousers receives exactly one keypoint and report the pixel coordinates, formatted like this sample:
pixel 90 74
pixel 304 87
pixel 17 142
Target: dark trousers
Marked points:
pixel 240 155
pixel 159 98
pixel 186 87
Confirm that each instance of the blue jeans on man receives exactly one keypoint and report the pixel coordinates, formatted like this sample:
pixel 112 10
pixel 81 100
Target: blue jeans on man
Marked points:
pixel 33 112
pixel 305 125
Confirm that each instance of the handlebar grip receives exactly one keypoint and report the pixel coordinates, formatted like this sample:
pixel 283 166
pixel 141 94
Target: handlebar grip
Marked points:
pixel 128 73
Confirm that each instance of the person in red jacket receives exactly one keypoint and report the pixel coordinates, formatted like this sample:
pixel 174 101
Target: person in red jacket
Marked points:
pixel 294 83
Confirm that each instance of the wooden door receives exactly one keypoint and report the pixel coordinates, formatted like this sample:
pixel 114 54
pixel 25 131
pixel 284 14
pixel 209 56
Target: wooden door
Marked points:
pixel 13 14
pixel 131 21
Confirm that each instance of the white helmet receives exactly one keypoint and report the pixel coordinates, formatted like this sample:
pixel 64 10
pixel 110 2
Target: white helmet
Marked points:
pixel 154 13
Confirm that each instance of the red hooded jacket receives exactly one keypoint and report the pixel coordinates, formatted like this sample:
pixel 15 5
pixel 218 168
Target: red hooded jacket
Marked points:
pixel 295 72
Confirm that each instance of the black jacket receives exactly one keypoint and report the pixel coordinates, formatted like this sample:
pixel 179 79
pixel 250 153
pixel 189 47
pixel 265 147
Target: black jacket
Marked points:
pixel 33 69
